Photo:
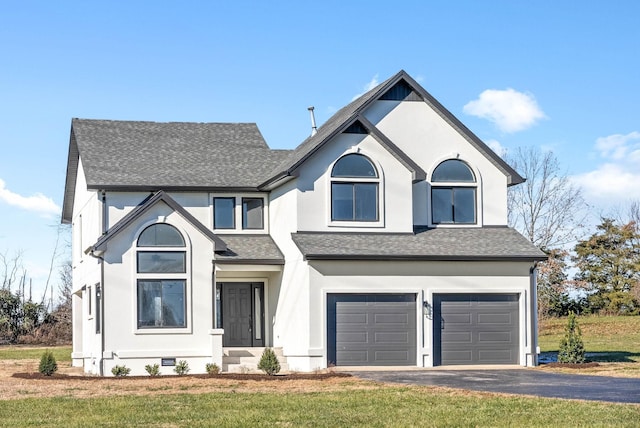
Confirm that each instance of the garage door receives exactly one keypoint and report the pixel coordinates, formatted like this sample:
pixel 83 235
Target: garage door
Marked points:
pixel 476 329
pixel 371 329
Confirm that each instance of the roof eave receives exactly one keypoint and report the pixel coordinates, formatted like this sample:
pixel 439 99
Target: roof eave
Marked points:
pixel 413 258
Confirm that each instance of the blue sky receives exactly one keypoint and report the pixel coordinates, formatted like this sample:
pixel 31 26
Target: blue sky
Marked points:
pixel 561 75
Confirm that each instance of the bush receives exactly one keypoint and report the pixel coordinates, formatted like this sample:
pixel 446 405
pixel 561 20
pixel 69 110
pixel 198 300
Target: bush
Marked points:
pixel 153 370
pixel 182 368
pixel 48 365
pixel 212 369
pixel 269 362
pixel 120 371
pixel 571 346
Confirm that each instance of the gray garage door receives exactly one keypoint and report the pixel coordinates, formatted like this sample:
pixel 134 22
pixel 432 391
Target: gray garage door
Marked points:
pixel 371 329
pixel 475 329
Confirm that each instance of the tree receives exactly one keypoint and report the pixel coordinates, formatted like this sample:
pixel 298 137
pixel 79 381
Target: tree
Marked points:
pixel 571 346
pixel 547 207
pixel 608 265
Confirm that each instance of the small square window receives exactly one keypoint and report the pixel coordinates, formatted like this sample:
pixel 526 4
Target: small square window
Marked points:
pixel 224 213
pixel 252 213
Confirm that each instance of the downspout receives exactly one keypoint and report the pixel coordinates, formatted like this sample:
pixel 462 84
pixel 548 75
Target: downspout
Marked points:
pixel 533 310
pixel 101 361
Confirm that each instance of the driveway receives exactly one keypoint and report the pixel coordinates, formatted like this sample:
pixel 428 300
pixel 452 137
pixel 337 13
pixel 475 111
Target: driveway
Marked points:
pixel 518 381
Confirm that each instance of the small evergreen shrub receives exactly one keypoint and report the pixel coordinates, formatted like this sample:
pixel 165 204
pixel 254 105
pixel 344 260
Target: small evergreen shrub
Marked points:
pixel 269 362
pixel 181 368
pixel 571 346
pixel 48 365
pixel 120 371
pixel 212 369
pixel 153 370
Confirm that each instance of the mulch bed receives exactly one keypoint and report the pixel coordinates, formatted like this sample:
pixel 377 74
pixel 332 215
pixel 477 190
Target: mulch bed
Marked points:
pixel 572 365
pixel 231 376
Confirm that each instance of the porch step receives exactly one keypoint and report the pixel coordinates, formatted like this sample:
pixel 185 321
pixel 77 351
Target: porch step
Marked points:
pixel 246 360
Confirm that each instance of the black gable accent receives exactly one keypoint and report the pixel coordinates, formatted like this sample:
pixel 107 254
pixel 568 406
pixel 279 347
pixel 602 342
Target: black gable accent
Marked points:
pixel 356 128
pixel 401 91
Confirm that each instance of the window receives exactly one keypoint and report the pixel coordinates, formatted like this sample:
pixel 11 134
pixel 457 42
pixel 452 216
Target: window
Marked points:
pixel 224 213
pixel 354 189
pixel 161 262
pixel 453 193
pixel 252 213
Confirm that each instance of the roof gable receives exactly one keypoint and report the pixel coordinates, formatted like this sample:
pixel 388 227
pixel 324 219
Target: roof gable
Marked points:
pixel 399 87
pixel 161 196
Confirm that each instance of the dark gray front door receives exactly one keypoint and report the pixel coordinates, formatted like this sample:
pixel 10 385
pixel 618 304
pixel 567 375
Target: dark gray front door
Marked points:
pixel 242 313
pixel 371 329
pixel 476 329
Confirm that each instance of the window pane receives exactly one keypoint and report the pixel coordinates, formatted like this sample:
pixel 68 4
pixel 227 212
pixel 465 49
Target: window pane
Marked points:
pixel 257 315
pixel 342 201
pixel 441 206
pixel 354 166
pixel 366 205
pixel 160 235
pixel 453 170
pixel 161 261
pixel 224 213
pixel 161 303
pixel 464 200
pixel 252 217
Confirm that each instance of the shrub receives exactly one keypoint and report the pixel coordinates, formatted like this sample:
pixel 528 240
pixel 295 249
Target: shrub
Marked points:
pixel 269 362
pixel 48 365
pixel 120 371
pixel 212 369
pixel 153 370
pixel 182 368
pixel 571 346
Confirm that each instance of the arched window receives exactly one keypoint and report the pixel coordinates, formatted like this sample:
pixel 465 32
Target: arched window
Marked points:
pixel 354 189
pixel 161 260
pixel 453 193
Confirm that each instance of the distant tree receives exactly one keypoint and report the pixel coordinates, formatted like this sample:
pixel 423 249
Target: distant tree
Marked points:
pixel 547 207
pixel 608 264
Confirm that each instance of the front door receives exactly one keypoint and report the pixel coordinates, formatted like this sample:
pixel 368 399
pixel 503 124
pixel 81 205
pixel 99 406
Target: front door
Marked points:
pixel 241 313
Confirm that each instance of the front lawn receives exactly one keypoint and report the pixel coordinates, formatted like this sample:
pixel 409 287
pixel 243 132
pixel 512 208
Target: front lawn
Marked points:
pixel 20 352
pixel 383 406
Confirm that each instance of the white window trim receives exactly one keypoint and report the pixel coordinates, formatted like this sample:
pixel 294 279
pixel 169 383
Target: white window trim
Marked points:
pixel 160 276
pixel 238 213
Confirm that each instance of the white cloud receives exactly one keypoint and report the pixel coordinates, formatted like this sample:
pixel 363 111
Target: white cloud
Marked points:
pixel 497 147
pixel 369 86
pixel 620 146
pixel 616 180
pixel 38 203
pixel 508 109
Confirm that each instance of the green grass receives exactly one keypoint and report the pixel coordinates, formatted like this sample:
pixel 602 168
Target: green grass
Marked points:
pixel 387 406
pixel 617 338
pixel 61 353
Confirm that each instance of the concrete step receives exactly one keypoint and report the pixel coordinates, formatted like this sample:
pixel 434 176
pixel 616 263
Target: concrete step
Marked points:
pixel 246 360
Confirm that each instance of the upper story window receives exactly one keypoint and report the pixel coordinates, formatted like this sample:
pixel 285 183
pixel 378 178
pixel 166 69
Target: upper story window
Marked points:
pixel 453 193
pixel 224 213
pixel 252 213
pixel 162 277
pixel 354 189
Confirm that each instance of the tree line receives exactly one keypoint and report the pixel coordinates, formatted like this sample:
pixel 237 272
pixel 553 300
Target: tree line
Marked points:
pixel 595 272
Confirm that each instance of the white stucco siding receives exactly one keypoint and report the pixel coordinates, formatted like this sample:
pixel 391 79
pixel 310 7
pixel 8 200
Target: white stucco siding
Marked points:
pixel 314 187
pixel 428 139
pixel 424 279
pixel 123 339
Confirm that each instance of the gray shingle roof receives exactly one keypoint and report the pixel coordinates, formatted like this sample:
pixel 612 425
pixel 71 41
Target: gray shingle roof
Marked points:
pixel 488 243
pixel 349 113
pixel 255 249
pixel 153 155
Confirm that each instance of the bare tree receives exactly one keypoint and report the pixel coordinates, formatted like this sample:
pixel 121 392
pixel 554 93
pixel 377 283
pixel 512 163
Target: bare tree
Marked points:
pixel 10 266
pixel 548 209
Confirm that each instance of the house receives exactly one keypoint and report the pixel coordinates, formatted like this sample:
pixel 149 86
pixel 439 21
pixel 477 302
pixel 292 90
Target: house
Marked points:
pixel 382 239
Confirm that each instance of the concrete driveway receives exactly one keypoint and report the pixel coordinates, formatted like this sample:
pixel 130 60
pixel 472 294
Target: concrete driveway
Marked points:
pixel 518 381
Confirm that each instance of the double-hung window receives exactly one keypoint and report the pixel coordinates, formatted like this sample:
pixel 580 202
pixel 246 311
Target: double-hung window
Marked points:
pixel 161 265
pixel 354 189
pixel 453 193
